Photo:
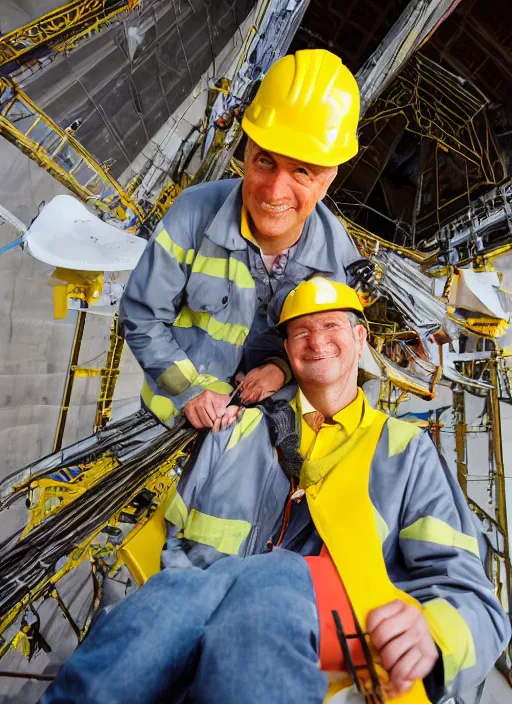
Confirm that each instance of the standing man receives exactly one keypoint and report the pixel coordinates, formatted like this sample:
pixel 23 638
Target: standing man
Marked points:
pixel 201 304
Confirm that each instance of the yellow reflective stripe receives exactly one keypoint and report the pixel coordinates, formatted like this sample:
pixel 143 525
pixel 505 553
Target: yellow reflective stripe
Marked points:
pixel 187 369
pixel 163 408
pixel 227 332
pixel 381 525
pixel 176 512
pixel 207 381
pixel 183 256
pixel 400 434
pixel 453 636
pixel 248 422
pixel 213 384
pixel 224 534
pixel 230 269
pixel 434 530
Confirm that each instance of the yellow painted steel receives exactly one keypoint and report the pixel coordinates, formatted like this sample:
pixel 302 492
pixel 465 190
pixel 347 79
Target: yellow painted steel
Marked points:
pixel 70 378
pixel 80 285
pixel 49 496
pixel 166 198
pixel 100 188
pixel 162 482
pixel 109 374
pixel 141 550
pixel 486 327
pixel 74 18
pixel 86 372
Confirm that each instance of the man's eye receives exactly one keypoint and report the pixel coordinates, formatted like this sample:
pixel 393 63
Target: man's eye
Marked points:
pixel 298 335
pixel 302 170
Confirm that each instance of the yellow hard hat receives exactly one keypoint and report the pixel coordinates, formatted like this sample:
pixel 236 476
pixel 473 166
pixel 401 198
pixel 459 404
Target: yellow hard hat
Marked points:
pixel 317 295
pixel 307 108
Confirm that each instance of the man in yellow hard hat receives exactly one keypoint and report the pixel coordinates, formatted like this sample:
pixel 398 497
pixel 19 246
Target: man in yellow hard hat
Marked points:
pixel 202 303
pixel 371 513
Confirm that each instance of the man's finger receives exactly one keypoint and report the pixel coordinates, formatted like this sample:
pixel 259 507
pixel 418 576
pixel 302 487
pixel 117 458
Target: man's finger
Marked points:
pixel 193 418
pixel 230 416
pixel 250 383
pixel 266 393
pixel 210 409
pixel 396 648
pixel 380 614
pixel 219 402
pixel 394 626
pixel 204 417
pixel 424 666
pixel 400 675
pixel 249 396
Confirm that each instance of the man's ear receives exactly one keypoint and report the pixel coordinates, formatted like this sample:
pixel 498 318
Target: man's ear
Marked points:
pixel 361 335
pixel 328 180
pixel 286 346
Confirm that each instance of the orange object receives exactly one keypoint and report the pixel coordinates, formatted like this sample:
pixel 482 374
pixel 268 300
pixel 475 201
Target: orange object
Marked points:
pixel 332 596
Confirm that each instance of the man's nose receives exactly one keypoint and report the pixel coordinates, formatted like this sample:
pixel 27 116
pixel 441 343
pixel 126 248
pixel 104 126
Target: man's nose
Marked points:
pixel 277 188
pixel 316 340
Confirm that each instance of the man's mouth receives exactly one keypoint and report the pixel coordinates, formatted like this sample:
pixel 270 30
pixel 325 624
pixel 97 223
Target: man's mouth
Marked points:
pixel 319 358
pixel 269 208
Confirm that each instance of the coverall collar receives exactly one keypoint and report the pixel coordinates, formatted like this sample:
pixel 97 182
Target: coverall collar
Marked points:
pixel 349 417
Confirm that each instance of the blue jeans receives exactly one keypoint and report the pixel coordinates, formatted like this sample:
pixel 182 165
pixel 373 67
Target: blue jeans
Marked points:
pixel 243 631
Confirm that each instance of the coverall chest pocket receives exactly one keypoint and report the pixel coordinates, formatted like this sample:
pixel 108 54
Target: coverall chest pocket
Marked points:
pixel 209 285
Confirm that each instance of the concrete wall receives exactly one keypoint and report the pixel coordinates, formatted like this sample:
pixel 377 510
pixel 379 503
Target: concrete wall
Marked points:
pixel 16 13
pixel 35 348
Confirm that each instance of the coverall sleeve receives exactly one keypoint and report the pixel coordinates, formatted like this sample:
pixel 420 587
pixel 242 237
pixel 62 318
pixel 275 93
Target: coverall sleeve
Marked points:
pixel 271 351
pixel 230 500
pixel 152 300
pixel 446 574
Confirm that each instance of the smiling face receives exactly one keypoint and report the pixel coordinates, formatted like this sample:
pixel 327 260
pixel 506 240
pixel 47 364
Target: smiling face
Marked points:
pixel 279 193
pixel 324 348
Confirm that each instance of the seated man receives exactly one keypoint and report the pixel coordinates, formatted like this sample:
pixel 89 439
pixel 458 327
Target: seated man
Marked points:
pixel 374 499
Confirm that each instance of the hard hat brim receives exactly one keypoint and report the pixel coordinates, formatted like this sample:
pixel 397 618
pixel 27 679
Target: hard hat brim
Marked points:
pixel 305 149
pixel 282 323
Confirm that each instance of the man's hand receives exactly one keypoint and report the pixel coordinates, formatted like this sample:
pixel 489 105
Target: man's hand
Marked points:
pixel 262 382
pixel 203 410
pixel 230 415
pixel 402 638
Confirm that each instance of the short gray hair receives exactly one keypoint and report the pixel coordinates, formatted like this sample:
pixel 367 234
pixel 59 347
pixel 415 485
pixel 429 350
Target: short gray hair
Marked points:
pixel 354 318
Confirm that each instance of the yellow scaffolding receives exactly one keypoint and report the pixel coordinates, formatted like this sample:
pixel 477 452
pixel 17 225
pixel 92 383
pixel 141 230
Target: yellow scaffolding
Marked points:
pixel 63 25
pixel 29 128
